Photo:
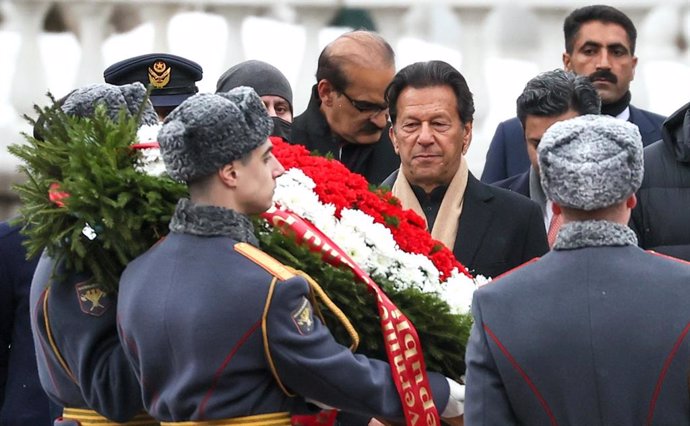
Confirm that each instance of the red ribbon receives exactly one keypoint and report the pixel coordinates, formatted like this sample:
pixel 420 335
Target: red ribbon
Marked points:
pixel 399 335
pixel 145 145
pixel 323 418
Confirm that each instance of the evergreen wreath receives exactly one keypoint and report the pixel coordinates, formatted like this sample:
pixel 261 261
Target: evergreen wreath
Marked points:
pixel 442 333
pixel 109 212
pixel 86 204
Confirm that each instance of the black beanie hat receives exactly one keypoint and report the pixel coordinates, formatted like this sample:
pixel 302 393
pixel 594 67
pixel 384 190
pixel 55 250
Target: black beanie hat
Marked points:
pixel 264 78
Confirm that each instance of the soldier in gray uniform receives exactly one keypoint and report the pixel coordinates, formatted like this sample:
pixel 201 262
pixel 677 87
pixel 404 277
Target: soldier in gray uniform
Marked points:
pixel 217 331
pixel 81 363
pixel 595 332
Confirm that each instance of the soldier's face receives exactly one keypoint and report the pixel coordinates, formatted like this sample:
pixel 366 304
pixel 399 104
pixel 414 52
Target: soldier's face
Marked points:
pixel 601 51
pixel 256 177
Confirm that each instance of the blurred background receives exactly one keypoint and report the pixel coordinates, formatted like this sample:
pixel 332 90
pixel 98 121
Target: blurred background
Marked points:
pixel 498 45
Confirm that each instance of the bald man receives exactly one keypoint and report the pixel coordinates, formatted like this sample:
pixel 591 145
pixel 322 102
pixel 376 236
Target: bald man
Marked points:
pixel 347 115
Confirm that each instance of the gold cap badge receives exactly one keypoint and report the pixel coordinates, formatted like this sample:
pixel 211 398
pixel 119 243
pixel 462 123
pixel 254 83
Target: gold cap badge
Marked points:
pixel 159 74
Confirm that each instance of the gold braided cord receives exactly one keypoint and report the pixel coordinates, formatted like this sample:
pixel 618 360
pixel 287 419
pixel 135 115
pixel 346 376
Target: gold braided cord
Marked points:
pixel 267 350
pixel 271 419
pixel 53 345
pixel 93 418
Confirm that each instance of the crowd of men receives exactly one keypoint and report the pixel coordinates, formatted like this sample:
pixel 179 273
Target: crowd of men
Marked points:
pixel 580 324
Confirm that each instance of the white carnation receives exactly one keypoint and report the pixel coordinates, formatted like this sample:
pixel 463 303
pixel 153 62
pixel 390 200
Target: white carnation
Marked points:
pixel 150 161
pixel 457 291
pixel 148 133
pixel 371 245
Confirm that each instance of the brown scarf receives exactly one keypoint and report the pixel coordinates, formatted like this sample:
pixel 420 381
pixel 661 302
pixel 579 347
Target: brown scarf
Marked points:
pixel 446 224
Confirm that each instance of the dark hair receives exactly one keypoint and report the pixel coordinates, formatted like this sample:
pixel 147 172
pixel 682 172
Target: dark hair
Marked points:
pixel 429 74
pixel 602 13
pixel 555 92
pixel 331 63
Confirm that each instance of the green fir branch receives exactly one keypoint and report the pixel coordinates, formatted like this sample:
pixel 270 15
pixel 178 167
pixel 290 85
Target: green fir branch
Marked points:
pixel 443 335
pixel 91 160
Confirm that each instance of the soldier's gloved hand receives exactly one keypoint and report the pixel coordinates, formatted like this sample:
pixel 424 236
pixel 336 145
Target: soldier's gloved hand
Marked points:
pixel 456 400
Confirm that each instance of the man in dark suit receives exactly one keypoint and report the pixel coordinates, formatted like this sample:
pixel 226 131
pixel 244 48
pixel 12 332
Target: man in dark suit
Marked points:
pixel 594 332
pixel 22 400
pixel 490 230
pixel 347 115
pixel 277 352
pixel 548 98
pixel 600 44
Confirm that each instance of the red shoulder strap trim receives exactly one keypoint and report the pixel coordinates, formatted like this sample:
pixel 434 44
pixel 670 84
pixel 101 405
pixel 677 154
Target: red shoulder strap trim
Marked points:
pixel 523 374
pixel 666 256
pixel 664 370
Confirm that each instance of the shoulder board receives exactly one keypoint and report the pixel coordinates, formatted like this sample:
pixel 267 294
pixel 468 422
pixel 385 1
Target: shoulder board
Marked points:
pixel 271 265
pixel 665 256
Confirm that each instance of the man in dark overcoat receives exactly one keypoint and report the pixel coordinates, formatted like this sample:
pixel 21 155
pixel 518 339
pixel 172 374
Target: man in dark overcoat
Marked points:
pixel 218 331
pixel 594 332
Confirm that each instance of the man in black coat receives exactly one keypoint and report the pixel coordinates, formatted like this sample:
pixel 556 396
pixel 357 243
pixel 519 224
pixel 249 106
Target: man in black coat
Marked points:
pixel 548 98
pixel 600 44
pixel 489 229
pixel 347 115
pixel 660 218
pixel 245 346
pixel 594 332
pixel 22 400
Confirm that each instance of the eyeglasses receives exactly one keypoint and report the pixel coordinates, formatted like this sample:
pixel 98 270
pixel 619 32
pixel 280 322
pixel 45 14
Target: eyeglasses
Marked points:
pixel 366 106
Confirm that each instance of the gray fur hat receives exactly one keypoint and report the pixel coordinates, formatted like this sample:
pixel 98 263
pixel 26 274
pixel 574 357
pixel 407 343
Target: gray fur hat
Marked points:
pixel 208 131
pixel 264 78
pixel 82 102
pixel 590 162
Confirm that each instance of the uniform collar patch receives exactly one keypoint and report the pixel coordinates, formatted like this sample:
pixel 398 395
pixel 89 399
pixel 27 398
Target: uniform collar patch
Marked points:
pixel 92 300
pixel 303 318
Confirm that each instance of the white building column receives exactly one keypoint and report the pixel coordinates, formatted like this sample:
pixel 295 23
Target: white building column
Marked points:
pixel 472 45
pixel 92 21
pixel 159 15
pixel 313 19
pixel 234 16
pixel 661 61
pixel 389 22
pixel 550 55
pixel 29 82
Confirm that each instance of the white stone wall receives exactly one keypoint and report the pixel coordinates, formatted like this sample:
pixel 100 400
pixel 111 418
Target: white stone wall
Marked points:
pixel 497 44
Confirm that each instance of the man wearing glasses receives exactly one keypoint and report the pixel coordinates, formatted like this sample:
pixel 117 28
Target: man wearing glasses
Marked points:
pixel 347 115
